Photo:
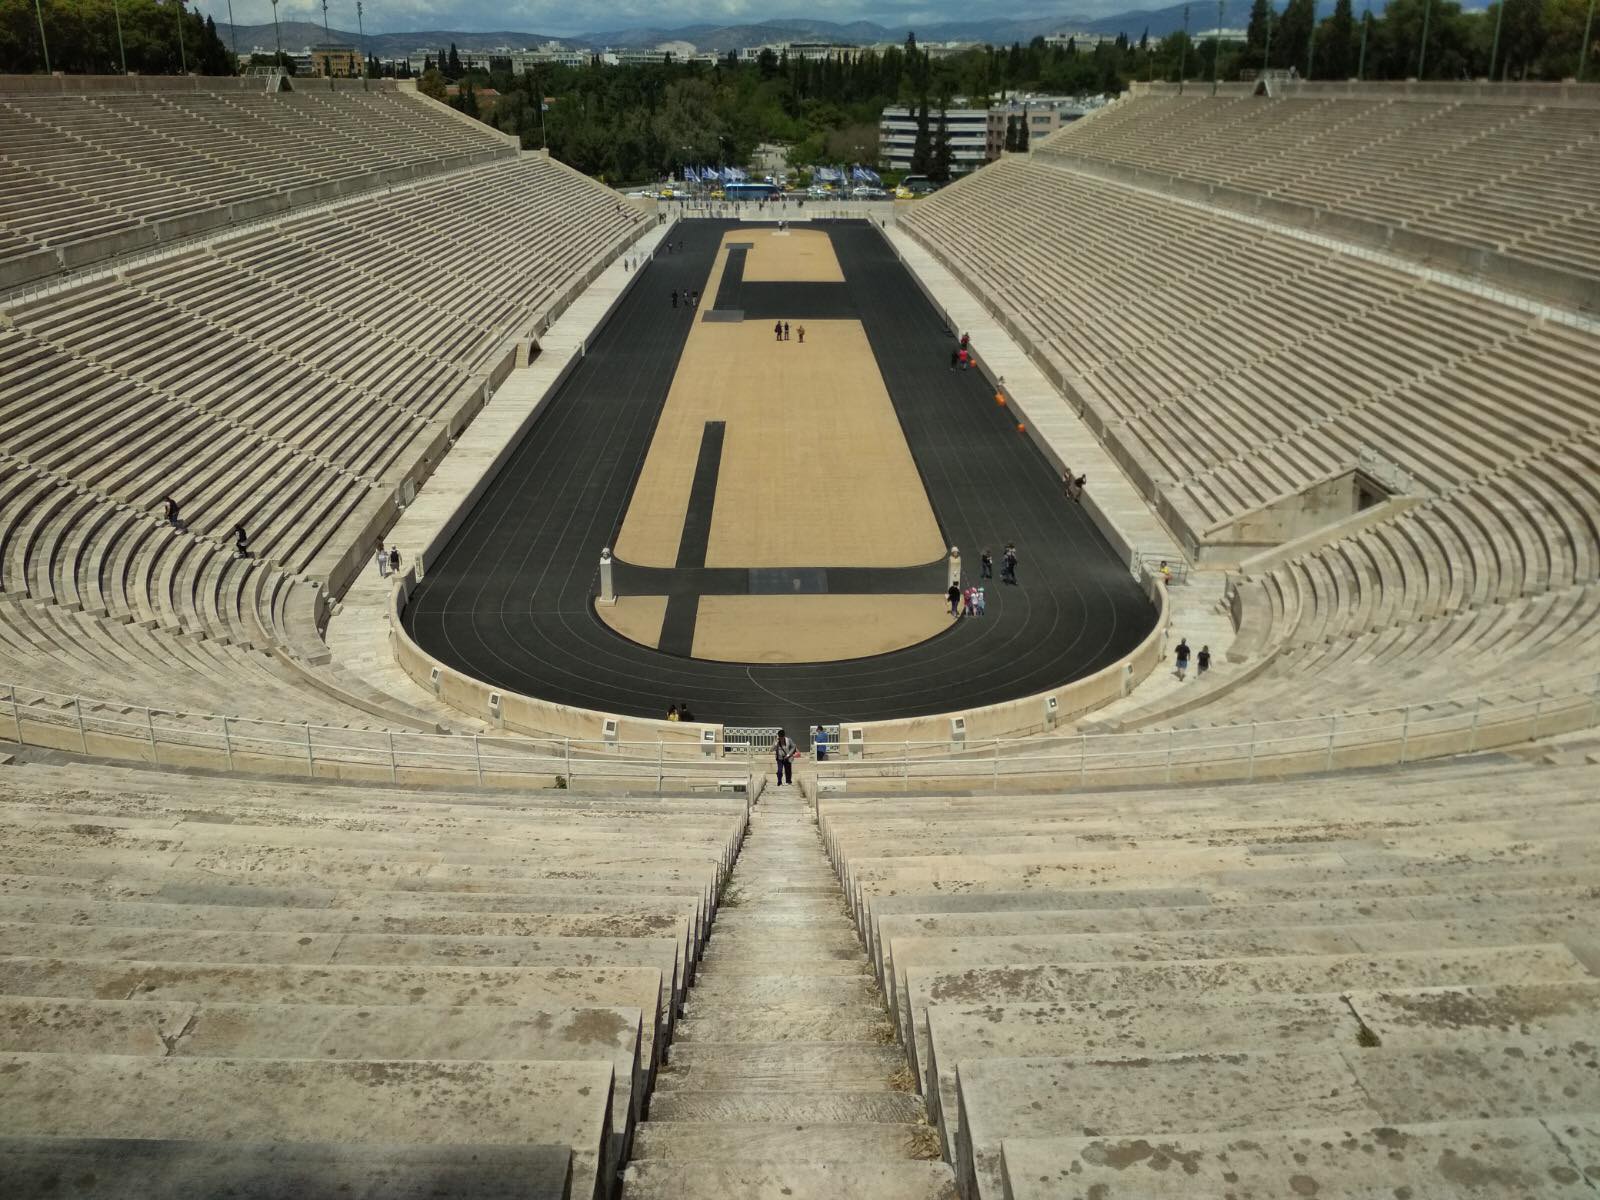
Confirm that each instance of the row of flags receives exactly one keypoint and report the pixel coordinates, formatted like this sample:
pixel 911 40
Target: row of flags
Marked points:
pixel 854 174
pixel 839 174
pixel 714 175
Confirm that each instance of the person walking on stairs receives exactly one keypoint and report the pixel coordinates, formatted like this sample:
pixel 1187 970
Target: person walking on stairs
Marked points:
pixel 784 751
pixel 241 541
pixel 1202 661
pixel 171 508
pixel 1181 660
pixel 394 560
pixel 383 562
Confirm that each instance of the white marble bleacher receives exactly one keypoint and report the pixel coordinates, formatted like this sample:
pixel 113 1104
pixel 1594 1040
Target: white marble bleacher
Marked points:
pixel 1520 177
pixel 314 964
pixel 1235 365
pixel 82 166
pixel 1328 953
pixel 284 378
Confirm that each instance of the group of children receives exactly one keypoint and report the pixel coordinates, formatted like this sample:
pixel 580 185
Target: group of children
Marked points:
pixel 691 300
pixel 961 356
pixel 970 602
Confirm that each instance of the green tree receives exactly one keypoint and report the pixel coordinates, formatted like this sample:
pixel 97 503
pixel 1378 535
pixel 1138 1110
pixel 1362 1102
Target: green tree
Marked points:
pixel 940 161
pixel 1337 43
pixel 1291 41
pixel 1256 34
pixel 922 147
pixel 432 84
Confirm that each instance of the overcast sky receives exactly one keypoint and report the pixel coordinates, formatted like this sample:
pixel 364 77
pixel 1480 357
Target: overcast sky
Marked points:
pixel 566 17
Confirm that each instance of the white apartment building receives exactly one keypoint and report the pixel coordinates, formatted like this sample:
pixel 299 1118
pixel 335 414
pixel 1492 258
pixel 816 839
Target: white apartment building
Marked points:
pixel 968 130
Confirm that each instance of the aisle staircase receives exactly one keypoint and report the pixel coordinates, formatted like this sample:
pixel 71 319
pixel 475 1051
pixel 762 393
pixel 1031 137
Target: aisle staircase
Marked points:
pixel 785 1079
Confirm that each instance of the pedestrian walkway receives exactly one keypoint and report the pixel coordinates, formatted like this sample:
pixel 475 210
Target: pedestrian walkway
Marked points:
pixel 785 1078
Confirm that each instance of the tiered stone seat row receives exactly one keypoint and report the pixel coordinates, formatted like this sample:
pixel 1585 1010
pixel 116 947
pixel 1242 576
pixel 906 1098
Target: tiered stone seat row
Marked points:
pixel 76 167
pixel 1522 178
pixel 1234 365
pixel 206 969
pixel 1339 987
pixel 287 380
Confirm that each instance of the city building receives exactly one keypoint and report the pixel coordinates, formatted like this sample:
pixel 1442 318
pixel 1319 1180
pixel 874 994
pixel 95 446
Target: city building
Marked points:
pixel 1041 115
pixel 342 62
pixel 967 128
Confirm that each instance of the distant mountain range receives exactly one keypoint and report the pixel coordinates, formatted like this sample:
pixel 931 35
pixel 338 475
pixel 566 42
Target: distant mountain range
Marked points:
pixel 1157 22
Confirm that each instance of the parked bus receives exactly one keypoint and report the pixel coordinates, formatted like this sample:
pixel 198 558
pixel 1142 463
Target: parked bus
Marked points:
pixel 750 191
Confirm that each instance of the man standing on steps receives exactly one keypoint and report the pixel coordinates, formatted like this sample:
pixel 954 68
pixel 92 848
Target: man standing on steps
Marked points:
pixel 784 751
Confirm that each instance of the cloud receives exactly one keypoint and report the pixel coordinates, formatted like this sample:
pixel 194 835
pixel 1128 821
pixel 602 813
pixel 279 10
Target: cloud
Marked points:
pixel 564 18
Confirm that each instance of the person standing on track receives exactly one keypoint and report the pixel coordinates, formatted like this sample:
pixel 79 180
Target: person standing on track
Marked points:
pixel 987 562
pixel 786 331
pixel 801 330
pixel 784 751
pixel 954 597
pixel 777 331
pixel 1008 564
pixel 674 297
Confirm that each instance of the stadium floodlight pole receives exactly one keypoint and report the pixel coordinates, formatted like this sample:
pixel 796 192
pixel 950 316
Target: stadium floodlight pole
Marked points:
pixel 1422 50
pixel 277 37
pixel 1311 42
pixel 1366 23
pixel 1266 57
pixel 183 56
pixel 122 54
pixel 44 42
pixel 361 37
pixel 1494 46
pixel 1216 49
pixel 1588 37
pixel 233 36
pixel 1183 50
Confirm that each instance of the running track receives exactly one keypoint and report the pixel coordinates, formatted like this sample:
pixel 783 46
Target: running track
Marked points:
pixel 510 600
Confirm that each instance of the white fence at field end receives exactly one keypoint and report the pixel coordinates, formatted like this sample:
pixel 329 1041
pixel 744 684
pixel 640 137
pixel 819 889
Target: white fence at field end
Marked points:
pixel 1364 738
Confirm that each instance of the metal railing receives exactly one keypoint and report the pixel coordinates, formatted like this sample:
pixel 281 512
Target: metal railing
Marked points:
pixel 1356 738
pixel 170 738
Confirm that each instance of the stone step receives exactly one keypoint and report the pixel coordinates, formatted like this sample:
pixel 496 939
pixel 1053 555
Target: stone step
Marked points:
pixel 791 1066
pixel 783 951
pixel 1226 1024
pixel 809 940
pixel 798 1022
pixel 93 1168
pixel 780 989
pixel 795 1108
pixel 1500 1078
pixel 370 1103
pixel 1142 982
pixel 1487 1159
pixel 746 1142
pixel 736 967
pixel 172 1028
pixel 657 1179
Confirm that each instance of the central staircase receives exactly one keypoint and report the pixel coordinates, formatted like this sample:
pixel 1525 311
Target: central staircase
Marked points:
pixel 785 1079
